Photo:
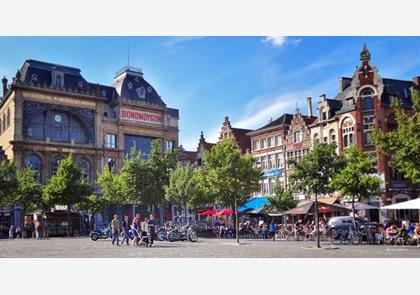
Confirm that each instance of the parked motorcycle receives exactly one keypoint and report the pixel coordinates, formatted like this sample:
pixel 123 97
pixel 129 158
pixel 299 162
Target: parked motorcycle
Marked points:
pixel 182 234
pixel 101 233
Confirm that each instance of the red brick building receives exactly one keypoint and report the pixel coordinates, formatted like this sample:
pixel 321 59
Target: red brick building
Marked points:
pixel 239 135
pixel 362 105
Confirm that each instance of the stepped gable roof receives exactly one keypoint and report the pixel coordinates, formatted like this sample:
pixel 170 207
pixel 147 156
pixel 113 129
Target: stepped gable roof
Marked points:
pixel 242 139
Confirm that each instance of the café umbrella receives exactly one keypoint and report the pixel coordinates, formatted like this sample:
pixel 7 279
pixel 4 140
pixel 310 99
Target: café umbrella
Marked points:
pixel 224 212
pixel 209 212
pixel 408 205
pixel 309 208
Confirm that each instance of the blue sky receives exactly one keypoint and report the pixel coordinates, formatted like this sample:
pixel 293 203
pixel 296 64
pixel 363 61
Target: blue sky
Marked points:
pixel 249 79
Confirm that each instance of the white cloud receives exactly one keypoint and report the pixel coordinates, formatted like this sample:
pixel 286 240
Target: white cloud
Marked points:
pixel 179 40
pixel 275 41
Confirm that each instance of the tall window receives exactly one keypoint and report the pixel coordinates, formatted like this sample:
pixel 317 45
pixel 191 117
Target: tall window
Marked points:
pixel 347 128
pixel 7 118
pixel 316 138
pixel 279 160
pixel 170 145
pixel 277 140
pixel 367 97
pixel 34 161
pixel 264 162
pixel 84 166
pixel 4 122
pixel 110 141
pixel 297 136
pixel 263 143
pixel 269 142
pixel 332 136
pixel 55 164
pixel 271 161
pixel 368 127
pixel 110 163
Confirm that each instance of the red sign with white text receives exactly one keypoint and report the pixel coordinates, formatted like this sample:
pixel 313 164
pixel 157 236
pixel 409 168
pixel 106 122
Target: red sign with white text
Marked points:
pixel 141 116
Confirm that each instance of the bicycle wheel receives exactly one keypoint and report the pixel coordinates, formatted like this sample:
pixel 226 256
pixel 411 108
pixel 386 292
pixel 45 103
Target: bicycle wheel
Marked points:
pixel 355 240
pixel 345 237
pixel 335 236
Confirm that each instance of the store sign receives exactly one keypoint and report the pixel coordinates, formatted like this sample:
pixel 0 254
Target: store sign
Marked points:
pixel 141 116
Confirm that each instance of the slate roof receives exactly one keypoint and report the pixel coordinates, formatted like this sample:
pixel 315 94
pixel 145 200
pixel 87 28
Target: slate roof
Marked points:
pixel 242 139
pixel 129 83
pixel 284 119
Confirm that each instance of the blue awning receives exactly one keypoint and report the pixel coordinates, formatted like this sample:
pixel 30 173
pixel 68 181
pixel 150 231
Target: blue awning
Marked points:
pixel 272 172
pixel 255 203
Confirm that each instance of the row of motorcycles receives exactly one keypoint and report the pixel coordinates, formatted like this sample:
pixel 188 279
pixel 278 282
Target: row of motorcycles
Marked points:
pixel 169 233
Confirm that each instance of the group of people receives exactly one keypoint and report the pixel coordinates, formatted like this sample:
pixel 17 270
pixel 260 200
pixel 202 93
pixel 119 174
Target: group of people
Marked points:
pixel 392 234
pixel 29 230
pixel 138 229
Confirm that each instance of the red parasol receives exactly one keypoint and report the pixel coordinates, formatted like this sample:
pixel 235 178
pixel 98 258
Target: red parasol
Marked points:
pixel 209 212
pixel 224 212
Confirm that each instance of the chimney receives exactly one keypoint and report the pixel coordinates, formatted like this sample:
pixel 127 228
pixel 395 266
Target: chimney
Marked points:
pixel 416 81
pixel 309 104
pixel 4 82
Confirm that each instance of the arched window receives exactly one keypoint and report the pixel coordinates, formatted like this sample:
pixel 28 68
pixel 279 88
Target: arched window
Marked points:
pixel 55 164
pixel 8 118
pixel 84 165
pixel 58 126
pixel 323 114
pixel 367 98
pixel 35 162
pixel 347 128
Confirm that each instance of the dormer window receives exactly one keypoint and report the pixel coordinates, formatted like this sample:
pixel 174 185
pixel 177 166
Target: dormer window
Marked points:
pixel 80 84
pixel 141 92
pixel 324 116
pixel 34 77
pixel 350 102
pixel 58 79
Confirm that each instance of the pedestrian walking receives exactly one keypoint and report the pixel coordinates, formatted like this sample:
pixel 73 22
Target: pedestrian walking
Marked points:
pixel 18 231
pixel 126 229
pixel 152 229
pixel 135 228
pixel 115 227
pixel 40 230
pixel 273 230
pixel 12 232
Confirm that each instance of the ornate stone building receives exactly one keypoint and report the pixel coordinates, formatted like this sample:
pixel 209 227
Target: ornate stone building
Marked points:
pixel 50 110
pixel 362 105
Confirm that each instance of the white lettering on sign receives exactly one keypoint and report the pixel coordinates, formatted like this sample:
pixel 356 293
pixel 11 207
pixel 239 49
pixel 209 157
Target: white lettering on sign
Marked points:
pixel 140 116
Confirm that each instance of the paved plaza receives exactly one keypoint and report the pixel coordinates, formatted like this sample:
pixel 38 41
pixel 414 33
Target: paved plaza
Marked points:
pixel 204 248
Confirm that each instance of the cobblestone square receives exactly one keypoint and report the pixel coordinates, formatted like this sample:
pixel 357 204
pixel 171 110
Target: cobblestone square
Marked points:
pixel 204 248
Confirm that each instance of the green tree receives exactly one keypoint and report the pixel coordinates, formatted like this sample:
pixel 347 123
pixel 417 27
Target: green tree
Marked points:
pixel 312 174
pixel 159 166
pixel 113 190
pixel 93 204
pixel 281 199
pixel 355 178
pixel 182 186
pixel 29 191
pixel 8 181
pixel 134 177
pixel 231 176
pixel 402 145
pixel 67 187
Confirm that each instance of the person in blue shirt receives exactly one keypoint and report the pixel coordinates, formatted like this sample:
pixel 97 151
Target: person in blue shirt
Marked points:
pixel 273 230
pixel 126 229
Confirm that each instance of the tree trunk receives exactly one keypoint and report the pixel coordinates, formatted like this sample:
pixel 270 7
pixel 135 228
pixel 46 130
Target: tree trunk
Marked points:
pixel 68 220
pixel 353 211
pixel 185 213
pixel 318 243
pixel 236 221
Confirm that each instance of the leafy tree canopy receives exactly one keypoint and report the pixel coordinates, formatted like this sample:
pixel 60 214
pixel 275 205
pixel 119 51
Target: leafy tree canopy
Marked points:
pixel 402 145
